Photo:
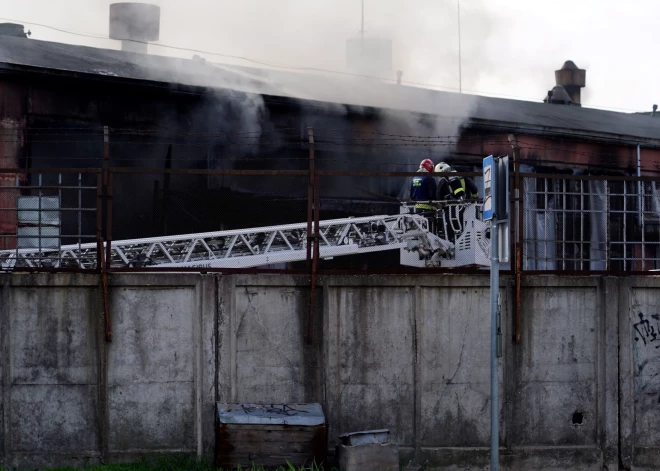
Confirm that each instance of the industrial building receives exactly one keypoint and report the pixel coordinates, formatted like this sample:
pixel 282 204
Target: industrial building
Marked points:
pixel 164 112
pixel 103 364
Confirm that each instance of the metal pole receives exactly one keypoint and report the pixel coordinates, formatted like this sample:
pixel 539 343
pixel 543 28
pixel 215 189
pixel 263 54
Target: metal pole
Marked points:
pixel 80 214
pixel 18 239
pixel 99 221
pixel 59 202
pixel 310 196
pixel 108 227
pixel 640 200
pixel 40 229
pixel 460 66
pixel 625 226
pixel 518 225
pixel 494 372
pixel 312 218
pixel 107 192
pixel 362 23
pixel 639 170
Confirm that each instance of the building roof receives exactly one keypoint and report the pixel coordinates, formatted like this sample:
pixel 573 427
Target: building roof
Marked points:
pixel 49 57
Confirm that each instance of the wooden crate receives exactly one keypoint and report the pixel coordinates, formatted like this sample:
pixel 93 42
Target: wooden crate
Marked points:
pixel 249 433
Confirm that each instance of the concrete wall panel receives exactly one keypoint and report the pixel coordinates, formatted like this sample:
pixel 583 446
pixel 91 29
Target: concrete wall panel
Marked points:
pixel 556 399
pixel 151 362
pixel 370 370
pixel 455 366
pixel 151 416
pixel 154 335
pixel 207 361
pixel 52 374
pixel 645 341
pixel 54 418
pixel 273 361
pixel 53 336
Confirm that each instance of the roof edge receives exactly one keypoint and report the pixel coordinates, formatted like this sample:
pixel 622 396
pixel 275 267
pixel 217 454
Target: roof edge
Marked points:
pixel 611 138
pixel 12 68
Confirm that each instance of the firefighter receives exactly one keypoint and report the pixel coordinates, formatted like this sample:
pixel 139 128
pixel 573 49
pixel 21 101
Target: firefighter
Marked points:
pixel 454 187
pixel 423 189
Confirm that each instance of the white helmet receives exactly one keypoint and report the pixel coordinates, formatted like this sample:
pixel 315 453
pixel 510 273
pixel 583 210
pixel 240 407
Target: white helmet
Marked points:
pixel 443 167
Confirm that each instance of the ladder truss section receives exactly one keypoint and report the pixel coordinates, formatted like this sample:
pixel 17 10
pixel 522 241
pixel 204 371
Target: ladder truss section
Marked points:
pixel 243 248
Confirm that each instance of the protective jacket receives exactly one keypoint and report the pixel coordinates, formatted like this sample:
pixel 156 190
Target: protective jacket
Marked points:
pixel 456 188
pixel 423 188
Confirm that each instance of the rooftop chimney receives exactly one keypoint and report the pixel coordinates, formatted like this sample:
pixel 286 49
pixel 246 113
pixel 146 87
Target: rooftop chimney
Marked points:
pixel 13 29
pixel 558 96
pixel 572 79
pixel 134 24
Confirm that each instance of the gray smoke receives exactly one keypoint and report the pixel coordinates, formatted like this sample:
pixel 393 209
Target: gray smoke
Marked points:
pixel 307 34
pixel 313 35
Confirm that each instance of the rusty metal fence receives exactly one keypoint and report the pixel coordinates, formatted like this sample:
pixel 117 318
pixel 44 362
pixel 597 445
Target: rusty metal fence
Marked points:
pixel 330 205
pixel 160 219
pixel 49 218
pixel 591 224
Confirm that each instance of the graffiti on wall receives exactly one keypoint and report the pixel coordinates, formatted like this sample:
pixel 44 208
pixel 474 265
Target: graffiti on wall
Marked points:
pixel 648 330
pixel 646 335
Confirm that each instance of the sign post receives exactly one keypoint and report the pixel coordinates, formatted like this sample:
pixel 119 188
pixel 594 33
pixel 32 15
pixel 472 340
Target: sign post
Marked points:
pixel 496 209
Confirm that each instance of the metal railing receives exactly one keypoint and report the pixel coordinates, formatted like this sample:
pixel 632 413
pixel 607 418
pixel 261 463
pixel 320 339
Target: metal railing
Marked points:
pixel 43 211
pixel 56 219
pixel 591 224
pixel 191 184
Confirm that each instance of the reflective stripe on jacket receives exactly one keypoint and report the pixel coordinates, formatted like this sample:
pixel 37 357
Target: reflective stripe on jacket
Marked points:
pixel 457 185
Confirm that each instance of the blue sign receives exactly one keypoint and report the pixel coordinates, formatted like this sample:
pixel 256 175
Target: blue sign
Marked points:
pixel 489 191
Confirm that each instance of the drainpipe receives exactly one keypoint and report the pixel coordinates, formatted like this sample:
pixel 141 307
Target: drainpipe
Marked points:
pixel 639 174
pixel 640 199
pixel 518 238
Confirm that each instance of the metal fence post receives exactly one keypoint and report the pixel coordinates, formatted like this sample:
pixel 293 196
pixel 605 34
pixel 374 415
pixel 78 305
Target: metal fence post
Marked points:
pixel 99 220
pixel 494 361
pixel 108 224
pixel 105 259
pixel 310 196
pixel 312 216
pixel 518 240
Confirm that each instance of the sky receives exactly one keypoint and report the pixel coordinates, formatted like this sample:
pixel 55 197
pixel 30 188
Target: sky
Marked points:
pixel 509 48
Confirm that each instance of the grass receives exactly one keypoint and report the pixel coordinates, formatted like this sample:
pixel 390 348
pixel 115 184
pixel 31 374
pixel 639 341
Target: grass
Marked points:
pixel 183 463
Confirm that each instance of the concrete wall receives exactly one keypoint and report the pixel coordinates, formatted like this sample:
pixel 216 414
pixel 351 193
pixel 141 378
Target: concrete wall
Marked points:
pixel 408 353
pixel 70 398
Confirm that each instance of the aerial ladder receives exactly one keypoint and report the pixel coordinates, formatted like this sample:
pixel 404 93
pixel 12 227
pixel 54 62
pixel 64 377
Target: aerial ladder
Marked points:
pixel 266 246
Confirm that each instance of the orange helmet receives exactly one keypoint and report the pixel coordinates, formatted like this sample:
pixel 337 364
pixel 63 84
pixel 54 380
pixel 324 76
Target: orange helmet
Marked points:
pixel 426 164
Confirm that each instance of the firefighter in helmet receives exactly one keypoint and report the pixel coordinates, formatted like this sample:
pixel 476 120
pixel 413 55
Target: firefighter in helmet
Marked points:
pixel 454 187
pixel 423 189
